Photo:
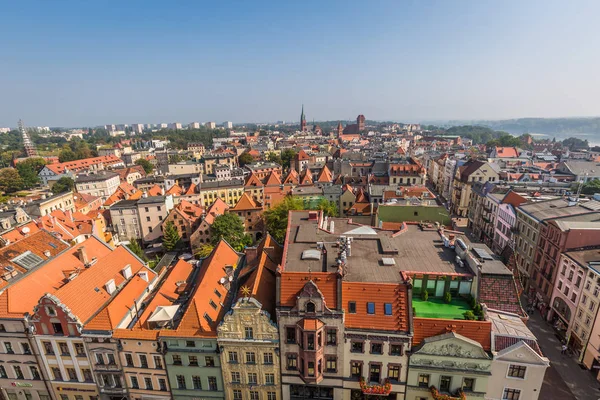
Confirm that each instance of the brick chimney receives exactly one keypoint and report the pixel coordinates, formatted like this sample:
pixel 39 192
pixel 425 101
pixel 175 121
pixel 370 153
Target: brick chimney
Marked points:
pixel 82 254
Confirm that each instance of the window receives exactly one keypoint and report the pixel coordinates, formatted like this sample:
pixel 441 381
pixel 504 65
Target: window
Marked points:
pixel 370 308
pixel 592 306
pixel 584 299
pixel 64 350
pixel 395 349
pixel 35 373
pixel 144 360
pixel 310 307
pixel 79 350
pixel 129 360
pixel 99 357
pixel 233 357
pixel 248 333
pixel 254 395
pixel 148 383
pixel 468 384
pixel 217 293
pixel 48 348
pixel 237 394
pixel 394 372
pixel 158 362
pixel 196 382
pixel 387 308
pixel 290 335
pixel 193 361
pixel 424 380
pixel 3 372
pixel 511 394
pixel 516 371
pixel 87 375
pixel 331 364
pixel 57 374
pixel 268 358
pixel 190 343
pixel 356 369
pixel 310 341
pixel 269 379
pixel 376 348
pixel 209 361
pixel 252 378
pixel 331 337
pixel 134 382
pixel 357 347
pixel 292 362
pixel 72 374
pixel 18 372
pixel 271 396
pixel 311 368
pixel 111 359
pixel 176 360
pixel 162 384
pixel 181 382
pixel 8 347
pixel 445 382
pixel 250 358
pixel 374 373
pixel 235 377
pixel 212 383
pixel 352 307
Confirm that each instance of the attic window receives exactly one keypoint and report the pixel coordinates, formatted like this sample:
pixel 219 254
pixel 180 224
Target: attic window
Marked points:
pixel 27 260
pixel 311 254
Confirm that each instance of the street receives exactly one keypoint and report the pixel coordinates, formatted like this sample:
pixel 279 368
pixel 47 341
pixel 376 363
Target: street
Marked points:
pixel 565 379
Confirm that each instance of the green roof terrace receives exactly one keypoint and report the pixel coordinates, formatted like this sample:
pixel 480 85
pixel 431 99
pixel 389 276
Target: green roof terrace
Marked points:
pixel 438 308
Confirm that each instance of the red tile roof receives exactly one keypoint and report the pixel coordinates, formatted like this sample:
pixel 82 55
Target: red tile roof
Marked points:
pixel 292 284
pixel 479 331
pixel 507 152
pixel 499 292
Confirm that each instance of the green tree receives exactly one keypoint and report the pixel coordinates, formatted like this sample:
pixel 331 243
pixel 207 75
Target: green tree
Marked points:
pixel 287 156
pixel 575 143
pixel 328 207
pixel 591 187
pixel 10 181
pixel 28 170
pixel 147 165
pixel 136 249
pixel 274 157
pixel 276 218
pixel 244 159
pixel 67 154
pixel 205 250
pixel 171 238
pixel 231 228
pixel 64 184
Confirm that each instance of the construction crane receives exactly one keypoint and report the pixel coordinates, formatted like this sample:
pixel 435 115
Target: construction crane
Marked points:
pixel 30 150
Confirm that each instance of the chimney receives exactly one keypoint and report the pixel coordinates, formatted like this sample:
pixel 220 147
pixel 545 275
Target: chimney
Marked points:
pixel 251 254
pixel 313 215
pixel 110 286
pixel 126 271
pixel 69 215
pixel 82 254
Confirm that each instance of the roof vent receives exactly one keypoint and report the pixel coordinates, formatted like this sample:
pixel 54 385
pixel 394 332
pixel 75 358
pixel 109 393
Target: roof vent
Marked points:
pixel 110 286
pixel 388 261
pixel 126 271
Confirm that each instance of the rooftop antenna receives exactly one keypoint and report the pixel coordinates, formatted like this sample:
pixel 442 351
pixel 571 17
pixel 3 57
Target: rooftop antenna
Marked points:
pixel 30 150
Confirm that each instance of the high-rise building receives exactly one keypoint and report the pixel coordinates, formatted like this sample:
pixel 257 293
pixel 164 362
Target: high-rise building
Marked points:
pixel 194 125
pixel 228 124
pixel 211 125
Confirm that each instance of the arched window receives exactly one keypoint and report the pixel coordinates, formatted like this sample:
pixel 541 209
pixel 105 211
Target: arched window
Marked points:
pixel 310 307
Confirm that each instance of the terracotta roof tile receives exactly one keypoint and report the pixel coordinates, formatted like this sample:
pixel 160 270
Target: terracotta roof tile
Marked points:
pixel 292 284
pixel 245 202
pixel 479 331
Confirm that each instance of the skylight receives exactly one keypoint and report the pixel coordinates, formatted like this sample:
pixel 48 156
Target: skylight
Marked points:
pixel 311 254
pixel 27 260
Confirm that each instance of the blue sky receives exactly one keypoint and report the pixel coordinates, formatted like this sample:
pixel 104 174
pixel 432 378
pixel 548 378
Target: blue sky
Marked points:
pixel 81 63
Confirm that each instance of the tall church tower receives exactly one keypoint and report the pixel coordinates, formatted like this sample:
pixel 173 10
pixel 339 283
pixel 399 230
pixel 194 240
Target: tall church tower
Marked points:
pixel 360 121
pixel 340 129
pixel 302 120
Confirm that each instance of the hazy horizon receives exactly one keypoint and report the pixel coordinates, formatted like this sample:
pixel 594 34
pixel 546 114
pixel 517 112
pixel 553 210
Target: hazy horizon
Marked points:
pixel 87 64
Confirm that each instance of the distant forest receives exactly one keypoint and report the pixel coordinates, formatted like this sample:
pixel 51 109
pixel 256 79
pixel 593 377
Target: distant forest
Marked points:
pixel 559 127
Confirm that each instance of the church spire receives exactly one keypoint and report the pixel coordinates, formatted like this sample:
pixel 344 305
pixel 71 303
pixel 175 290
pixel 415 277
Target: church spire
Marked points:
pixel 302 120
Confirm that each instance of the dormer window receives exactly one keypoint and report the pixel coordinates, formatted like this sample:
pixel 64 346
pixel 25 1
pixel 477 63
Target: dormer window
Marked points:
pixel 310 307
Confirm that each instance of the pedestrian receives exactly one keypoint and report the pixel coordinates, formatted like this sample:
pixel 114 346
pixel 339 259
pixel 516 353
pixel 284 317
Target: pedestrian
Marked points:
pixel 564 349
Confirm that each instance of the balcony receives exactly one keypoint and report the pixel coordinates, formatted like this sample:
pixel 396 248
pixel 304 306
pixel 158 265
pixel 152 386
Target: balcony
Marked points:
pixel 379 390
pixel 437 395
pixel 107 367
pixel 112 390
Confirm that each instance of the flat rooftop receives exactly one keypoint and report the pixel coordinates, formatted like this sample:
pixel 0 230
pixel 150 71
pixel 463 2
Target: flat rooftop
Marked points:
pixel 558 208
pixel 375 255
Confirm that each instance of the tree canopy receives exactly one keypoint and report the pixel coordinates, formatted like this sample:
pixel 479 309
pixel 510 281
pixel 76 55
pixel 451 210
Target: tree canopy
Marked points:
pixel 591 187
pixel 328 207
pixel 136 249
pixel 10 180
pixel 147 165
pixel 576 144
pixel 287 156
pixel 171 238
pixel 244 159
pixel 205 250
pixel 231 228
pixel 64 184
pixel 28 171
pixel 276 218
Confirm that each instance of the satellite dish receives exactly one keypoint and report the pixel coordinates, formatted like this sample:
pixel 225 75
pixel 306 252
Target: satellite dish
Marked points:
pixel 25 230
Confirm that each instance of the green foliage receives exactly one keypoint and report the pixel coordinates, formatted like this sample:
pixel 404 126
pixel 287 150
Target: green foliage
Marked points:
pixel 245 158
pixel 469 315
pixel 414 312
pixel 472 302
pixel 136 249
pixel 28 171
pixel 329 207
pixel 477 310
pixel 205 250
pixel 447 297
pixel 147 165
pixel 274 157
pixel 276 218
pixel 505 141
pixel 575 144
pixel 425 295
pixel 64 184
pixel 10 180
pixel 66 155
pixel 287 156
pixel 231 228
pixel 175 158
pixel 591 187
pixel 171 238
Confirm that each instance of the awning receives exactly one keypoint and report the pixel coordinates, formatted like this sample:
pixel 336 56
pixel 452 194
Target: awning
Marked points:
pixel 163 313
